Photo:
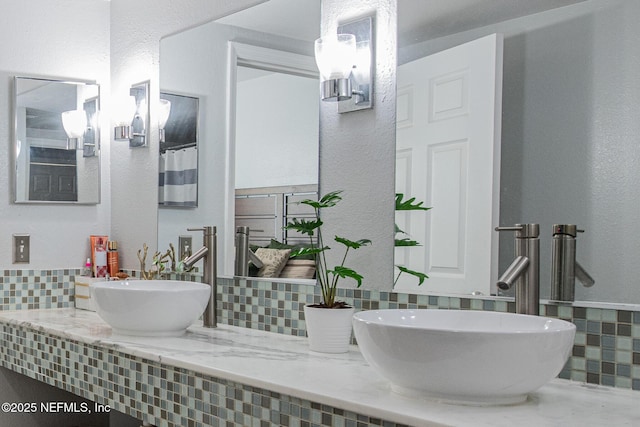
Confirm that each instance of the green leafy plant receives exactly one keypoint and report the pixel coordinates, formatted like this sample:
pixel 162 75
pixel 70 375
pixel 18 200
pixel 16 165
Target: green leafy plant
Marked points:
pixel 327 277
pixel 402 239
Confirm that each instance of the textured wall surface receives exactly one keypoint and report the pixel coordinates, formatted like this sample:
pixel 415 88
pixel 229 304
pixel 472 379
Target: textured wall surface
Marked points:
pixel 357 151
pixel 64 39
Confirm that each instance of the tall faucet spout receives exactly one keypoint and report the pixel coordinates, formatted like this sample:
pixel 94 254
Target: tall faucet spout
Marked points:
pixel 208 253
pixel 513 272
pixel 584 277
pixel 197 256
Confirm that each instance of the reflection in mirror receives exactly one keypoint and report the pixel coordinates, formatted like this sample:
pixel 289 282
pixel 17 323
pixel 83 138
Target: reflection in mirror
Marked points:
pixel 57 141
pixel 569 129
pixel 178 183
pixel 265 114
pixel 276 164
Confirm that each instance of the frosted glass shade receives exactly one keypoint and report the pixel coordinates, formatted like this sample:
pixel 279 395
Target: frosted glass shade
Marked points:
pixel 74 123
pixel 124 111
pixel 165 110
pixel 335 56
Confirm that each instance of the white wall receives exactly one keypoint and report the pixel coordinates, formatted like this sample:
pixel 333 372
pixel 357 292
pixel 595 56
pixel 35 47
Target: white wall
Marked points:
pixel 69 39
pixel 277 131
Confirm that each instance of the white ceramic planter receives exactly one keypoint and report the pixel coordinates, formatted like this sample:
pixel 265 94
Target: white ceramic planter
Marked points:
pixel 329 330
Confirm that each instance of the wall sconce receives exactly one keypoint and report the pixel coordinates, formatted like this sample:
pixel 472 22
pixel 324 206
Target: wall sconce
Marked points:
pixel 75 125
pixel 165 110
pixel 345 61
pixel 132 115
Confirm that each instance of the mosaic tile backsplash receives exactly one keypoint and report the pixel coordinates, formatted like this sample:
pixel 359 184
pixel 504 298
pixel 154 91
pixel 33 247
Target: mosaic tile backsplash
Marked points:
pixel 33 289
pixel 606 350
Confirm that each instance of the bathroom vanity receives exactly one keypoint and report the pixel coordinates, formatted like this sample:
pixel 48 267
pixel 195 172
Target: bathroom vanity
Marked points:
pixel 243 375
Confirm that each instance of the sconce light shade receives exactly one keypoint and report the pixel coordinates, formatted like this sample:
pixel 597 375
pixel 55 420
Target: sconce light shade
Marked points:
pixel 335 56
pixel 74 123
pixel 165 110
pixel 124 111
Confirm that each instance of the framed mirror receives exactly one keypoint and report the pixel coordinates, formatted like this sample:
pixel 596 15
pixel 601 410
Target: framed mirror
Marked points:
pixel 569 112
pixel 56 141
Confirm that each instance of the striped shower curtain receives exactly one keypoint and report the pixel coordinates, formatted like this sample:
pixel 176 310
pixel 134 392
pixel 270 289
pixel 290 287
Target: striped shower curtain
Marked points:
pixel 178 184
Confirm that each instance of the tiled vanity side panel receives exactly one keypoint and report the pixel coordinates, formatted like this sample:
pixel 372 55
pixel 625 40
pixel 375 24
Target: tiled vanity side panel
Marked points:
pixel 162 395
pixel 35 289
pixel 606 350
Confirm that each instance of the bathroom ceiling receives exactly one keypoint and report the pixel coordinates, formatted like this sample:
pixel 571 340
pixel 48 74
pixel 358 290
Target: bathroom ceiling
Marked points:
pixel 300 19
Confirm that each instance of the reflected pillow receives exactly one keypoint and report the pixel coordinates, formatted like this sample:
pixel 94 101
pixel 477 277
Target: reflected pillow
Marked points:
pixel 299 269
pixel 274 261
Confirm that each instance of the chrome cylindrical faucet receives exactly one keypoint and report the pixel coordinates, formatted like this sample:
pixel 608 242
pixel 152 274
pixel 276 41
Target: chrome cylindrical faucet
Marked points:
pixel 242 248
pixel 244 254
pixel 208 253
pixel 564 267
pixel 524 271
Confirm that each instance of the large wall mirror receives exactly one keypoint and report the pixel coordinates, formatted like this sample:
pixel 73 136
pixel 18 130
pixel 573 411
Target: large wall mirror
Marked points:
pixel 569 134
pixel 568 123
pixel 57 141
pixel 256 80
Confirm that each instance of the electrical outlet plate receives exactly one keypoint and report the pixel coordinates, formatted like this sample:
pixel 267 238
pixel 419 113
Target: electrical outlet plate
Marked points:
pixel 185 246
pixel 21 248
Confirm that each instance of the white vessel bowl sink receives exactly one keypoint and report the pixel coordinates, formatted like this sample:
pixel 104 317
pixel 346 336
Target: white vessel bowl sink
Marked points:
pixel 150 307
pixel 470 357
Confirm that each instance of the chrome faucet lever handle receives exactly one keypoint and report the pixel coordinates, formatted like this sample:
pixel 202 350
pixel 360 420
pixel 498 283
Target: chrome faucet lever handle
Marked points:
pixel 523 231
pixel 207 230
pixel 514 228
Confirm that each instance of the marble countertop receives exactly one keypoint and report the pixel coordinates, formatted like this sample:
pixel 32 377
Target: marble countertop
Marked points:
pixel 284 364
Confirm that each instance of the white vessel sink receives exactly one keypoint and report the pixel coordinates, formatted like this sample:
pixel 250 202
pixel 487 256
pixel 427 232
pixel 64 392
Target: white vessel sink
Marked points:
pixel 150 307
pixel 470 357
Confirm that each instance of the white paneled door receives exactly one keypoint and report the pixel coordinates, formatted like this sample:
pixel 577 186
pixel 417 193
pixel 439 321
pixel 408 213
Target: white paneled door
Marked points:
pixel 448 155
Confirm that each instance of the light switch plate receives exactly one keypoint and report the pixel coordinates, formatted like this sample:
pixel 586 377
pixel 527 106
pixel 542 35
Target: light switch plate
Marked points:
pixel 21 248
pixel 185 246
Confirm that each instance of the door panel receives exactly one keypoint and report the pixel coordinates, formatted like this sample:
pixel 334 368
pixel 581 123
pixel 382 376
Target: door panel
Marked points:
pixel 448 155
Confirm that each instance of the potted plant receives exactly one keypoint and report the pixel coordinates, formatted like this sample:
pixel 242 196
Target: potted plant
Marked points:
pixel 402 239
pixel 328 322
